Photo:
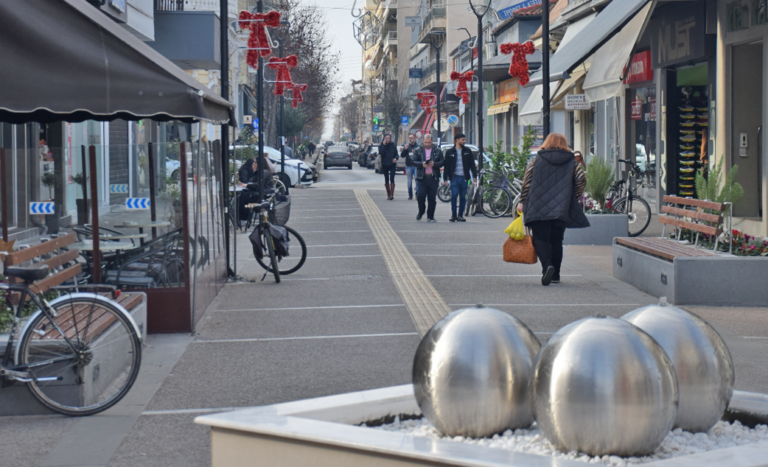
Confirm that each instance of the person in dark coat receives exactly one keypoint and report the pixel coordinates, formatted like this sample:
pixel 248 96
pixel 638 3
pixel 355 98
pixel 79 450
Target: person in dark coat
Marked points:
pixel 428 160
pixel 246 171
pixel 552 186
pixel 389 156
pixel 459 166
pixel 410 171
pixel 248 174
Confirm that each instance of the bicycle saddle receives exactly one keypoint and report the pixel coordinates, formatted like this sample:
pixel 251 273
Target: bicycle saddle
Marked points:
pixel 28 274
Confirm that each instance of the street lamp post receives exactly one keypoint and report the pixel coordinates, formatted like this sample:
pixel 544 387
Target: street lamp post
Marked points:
pixel 281 41
pixel 224 30
pixel 545 110
pixel 260 111
pixel 438 39
pixel 471 67
pixel 479 12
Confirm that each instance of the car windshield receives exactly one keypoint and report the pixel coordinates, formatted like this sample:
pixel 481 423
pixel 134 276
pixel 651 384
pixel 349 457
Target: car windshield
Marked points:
pixel 338 149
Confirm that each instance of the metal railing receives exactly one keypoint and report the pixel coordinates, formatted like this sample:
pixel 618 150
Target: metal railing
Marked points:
pixel 169 5
pixel 429 70
pixel 437 11
pixel 195 5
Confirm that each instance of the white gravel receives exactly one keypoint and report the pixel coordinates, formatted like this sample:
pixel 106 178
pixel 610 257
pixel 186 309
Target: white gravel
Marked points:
pixel 532 441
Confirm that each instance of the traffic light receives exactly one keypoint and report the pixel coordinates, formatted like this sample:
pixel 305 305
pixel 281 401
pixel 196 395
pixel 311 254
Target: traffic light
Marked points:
pixel 376 120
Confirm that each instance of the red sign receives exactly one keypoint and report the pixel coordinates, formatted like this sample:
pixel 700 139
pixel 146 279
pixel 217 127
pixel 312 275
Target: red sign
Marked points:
pixel 640 68
pixel 637 109
pixel 652 101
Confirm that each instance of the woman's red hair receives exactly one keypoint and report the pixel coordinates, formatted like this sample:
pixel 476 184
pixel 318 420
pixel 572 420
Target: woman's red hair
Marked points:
pixel 556 141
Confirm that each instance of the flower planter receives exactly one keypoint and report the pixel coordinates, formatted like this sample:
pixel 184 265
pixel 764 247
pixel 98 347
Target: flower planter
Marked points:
pixel 603 228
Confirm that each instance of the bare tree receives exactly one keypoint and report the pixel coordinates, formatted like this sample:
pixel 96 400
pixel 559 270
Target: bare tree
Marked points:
pixel 350 112
pixel 395 105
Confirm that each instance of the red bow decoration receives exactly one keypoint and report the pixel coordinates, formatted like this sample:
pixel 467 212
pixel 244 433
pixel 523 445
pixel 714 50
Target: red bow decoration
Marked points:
pixel 258 24
pixel 296 93
pixel 461 89
pixel 518 67
pixel 428 101
pixel 283 72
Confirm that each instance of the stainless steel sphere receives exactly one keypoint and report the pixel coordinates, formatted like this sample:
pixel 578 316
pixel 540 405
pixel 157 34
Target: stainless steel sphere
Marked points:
pixel 472 371
pixel 602 386
pixel 701 359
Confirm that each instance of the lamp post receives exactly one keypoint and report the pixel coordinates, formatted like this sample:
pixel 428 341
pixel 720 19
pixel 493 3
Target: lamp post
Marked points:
pixel 224 29
pixel 471 67
pixel 281 39
pixel 479 11
pixel 545 109
pixel 437 41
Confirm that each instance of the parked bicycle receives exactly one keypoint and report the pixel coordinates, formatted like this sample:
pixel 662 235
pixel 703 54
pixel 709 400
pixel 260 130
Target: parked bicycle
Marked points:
pixel 79 354
pixel 622 198
pixel 496 200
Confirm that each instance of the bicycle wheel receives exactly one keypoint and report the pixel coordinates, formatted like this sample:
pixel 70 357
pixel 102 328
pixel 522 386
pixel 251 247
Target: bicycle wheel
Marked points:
pixel 268 241
pixel 444 193
pixel 470 199
pixel 294 262
pixel 93 350
pixel 638 214
pixel 495 202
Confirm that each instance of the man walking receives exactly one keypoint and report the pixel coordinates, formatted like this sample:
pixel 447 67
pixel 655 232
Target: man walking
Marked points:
pixel 459 163
pixel 410 170
pixel 428 160
pixel 311 148
pixel 388 154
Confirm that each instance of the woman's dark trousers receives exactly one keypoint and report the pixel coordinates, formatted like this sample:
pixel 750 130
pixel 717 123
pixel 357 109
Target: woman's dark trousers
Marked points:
pixel 548 242
pixel 389 173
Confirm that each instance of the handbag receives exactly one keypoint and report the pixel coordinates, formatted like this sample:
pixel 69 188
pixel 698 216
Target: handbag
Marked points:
pixel 520 251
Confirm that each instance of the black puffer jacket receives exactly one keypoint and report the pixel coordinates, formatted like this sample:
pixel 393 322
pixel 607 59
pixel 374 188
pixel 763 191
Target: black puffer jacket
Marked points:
pixel 388 152
pixel 552 193
pixel 418 156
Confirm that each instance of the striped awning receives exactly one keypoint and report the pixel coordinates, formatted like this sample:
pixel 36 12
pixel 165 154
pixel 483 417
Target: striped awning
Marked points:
pixel 499 108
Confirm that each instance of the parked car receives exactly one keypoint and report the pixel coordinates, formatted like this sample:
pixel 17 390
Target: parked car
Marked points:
pixel 362 158
pixel 338 156
pixel 372 157
pixel 307 171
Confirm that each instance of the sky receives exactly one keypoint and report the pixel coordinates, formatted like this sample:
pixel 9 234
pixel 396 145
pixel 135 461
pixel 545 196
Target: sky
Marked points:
pixel 339 20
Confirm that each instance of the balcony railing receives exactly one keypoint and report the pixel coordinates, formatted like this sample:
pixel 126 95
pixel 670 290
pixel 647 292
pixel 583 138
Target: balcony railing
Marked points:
pixel 437 11
pixel 430 69
pixel 195 5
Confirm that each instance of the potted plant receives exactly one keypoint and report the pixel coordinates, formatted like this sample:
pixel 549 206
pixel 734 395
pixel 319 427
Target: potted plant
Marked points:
pixel 82 204
pixel 50 181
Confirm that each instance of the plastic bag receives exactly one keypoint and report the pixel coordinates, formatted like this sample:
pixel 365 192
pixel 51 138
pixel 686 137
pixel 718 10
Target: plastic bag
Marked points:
pixel 516 229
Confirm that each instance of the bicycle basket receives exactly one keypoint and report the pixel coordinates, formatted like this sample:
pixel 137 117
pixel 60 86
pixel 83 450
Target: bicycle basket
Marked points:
pixel 282 211
pixel 497 178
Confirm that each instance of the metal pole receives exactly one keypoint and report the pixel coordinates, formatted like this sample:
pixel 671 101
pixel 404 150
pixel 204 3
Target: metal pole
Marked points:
pixel 480 90
pixel 370 80
pixel 260 113
pixel 224 27
pixel 545 65
pixel 152 182
pixel 4 194
pixel 471 101
pixel 437 71
pixel 96 272
pixel 280 137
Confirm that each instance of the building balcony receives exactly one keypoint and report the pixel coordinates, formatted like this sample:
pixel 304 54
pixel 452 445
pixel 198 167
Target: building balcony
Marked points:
pixel 197 5
pixel 429 77
pixel 390 41
pixel 434 20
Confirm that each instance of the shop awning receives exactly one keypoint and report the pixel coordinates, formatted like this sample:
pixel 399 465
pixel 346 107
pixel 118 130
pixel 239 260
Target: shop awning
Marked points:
pixel 64 60
pixel 606 72
pixel 499 108
pixel 606 25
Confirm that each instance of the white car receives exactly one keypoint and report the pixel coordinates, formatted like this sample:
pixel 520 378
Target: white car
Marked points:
pixel 293 168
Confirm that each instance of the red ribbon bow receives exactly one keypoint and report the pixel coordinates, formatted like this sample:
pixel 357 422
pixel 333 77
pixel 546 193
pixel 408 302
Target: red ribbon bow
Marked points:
pixel 283 72
pixel 428 101
pixel 296 93
pixel 461 89
pixel 257 41
pixel 518 67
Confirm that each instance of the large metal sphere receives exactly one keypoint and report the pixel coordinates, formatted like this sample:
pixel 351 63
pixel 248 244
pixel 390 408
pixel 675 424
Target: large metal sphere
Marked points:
pixel 472 371
pixel 701 359
pixel 602 386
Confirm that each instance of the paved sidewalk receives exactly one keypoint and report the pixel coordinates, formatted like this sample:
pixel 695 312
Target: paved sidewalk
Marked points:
pixel 344 322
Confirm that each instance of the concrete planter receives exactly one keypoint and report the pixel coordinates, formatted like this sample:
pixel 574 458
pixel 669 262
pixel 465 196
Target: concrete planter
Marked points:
pixel 603 228
pixel 321 432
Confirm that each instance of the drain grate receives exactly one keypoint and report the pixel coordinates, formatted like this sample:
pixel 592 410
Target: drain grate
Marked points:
pixel 355 277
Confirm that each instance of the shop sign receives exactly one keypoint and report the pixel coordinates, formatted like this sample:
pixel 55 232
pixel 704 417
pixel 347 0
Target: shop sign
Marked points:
pixel 640 68
pixel 505 13
pixel 415 73
pixel 508 90
pixel 637 109
pixel 577 102
pixel 118 5
pixel 679 35
pixel 652 112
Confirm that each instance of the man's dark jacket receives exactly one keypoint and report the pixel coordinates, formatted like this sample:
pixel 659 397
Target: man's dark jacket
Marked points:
pixel 450 163
pixel 552 195
pixel 418 156
pixel 406 152
pixel 387 153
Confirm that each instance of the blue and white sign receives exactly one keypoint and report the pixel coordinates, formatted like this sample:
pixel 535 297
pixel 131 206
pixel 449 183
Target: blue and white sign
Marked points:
pixel 41 208
pixel 453 120
pixel 118 5
pixel 256 124
pixel 118 188
pixel 137 203
pixel 375 128
pixel 404 121
pixel 415 73
pixel 514 5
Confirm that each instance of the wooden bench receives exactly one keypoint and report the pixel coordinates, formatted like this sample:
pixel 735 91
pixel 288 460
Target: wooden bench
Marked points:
pixel 98 321
pixel 682 213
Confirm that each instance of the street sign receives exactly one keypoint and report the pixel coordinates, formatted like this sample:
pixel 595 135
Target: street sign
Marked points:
pixel 256 124
pixel 41 208
pixel 118 188
pixel 137 203
pixel 415 73
pixel 412 21
pixel 577 102
pixel 453 120
pixel 462 107
pixel 419 134
pixel 375 128
pixel 248 119
pixel 443 124
pixel 404 121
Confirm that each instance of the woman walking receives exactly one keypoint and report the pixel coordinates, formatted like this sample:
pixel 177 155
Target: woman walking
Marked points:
pixel 388 154
pixel 552 186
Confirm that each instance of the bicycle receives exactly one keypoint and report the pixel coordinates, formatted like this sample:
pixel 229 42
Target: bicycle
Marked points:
pixel 497 199
pixel 621 198
pixel 79 354
pixel 272 212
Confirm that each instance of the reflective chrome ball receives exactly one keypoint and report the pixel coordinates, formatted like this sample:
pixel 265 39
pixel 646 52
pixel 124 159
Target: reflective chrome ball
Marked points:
pixel 701 359
pixel 602 386
pixel 472 371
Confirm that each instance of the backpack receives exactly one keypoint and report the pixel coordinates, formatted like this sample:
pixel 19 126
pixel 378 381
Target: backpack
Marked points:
pixel 279 236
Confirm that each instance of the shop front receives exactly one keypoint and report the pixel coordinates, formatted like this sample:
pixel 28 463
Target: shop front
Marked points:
pixel 504 113
pixel 641 120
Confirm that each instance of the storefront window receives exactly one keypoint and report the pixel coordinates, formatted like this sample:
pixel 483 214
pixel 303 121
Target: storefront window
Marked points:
pixel 642 136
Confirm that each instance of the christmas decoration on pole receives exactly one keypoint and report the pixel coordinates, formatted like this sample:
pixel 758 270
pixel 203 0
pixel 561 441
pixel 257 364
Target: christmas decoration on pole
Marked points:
pixel 518 67
pixel 461 88
pixel 258 41
pixel 296 93
pixel 428 101
pixel 283 67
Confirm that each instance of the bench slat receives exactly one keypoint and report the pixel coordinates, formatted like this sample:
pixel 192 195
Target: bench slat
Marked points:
pixel 53 263
pixel 691 226
pixel 43 285
pixel 67 323
pixel 694 202
pixel 692 214
pixel 645 248
pixel 663 248
pixel 18 257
